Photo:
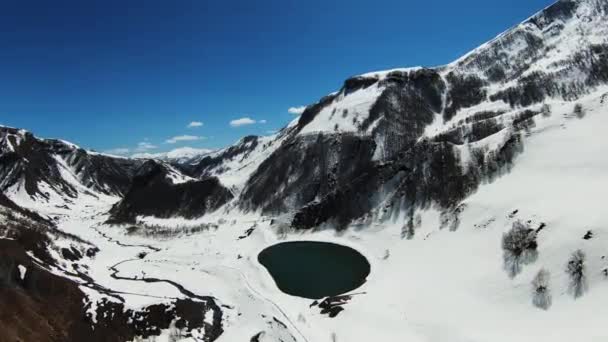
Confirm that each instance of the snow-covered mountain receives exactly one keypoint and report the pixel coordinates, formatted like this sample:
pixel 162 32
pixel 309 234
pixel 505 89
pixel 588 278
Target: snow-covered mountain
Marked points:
pixel 56 172
pixel 181 155
pixel 473 189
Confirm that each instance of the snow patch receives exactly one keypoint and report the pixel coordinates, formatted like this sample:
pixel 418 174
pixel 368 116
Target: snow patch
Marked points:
pixel 346 113
pixel 22 271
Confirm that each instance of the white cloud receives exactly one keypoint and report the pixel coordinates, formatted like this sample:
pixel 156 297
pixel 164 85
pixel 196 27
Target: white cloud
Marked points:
pixel 195 124
pixel 242 122
pixel 297 110
pixel 141 147
pixel 183 138
pixel 262 121
pixel 118 151
pixel 145 146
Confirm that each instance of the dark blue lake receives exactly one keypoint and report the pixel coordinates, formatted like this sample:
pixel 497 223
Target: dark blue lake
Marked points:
pixel 312 269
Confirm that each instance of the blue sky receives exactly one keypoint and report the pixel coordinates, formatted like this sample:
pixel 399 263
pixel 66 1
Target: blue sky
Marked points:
pixel 134 74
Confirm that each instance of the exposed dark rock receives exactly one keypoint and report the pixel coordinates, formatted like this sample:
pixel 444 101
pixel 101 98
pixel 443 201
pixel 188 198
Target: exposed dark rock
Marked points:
pixel 45 307
pixel 311 111
pixel 541 226
pixel 105 174
pixel 30 160
pixel 464 91
pixel 342 205
pixel 71 254
pixel 306 168
pixel 247 233
pixel 332 306
pixel 154 194
pixel 357 83
pixel 256 337
pixel 428 173
pixel 588 235
pixel 405 108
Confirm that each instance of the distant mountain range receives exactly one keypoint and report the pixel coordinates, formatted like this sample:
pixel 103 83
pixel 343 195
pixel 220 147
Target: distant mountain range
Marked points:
pixel 179 155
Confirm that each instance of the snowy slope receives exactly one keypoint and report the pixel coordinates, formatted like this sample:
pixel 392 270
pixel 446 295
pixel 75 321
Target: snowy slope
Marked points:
pixel 234 165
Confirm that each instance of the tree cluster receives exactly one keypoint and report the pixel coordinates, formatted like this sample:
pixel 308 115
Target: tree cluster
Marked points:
pixel 519 248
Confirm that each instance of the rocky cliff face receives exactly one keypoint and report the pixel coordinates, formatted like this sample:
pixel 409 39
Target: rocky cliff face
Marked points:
pixel 42 168
pixel 409 138
pixel 159 190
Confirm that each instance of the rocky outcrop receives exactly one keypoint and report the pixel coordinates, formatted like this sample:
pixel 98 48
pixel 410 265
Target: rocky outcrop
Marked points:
pixel 104 174
pixel 306 169
pixel 40 306
pixel 29 162
pixel 154 193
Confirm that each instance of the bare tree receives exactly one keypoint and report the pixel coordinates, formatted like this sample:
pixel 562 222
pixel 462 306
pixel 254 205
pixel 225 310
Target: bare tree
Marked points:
pixel 519 248
pixel 541 292
pixel 175 334
pixel 301 318
pixel 408 231
pixel 576 271
pixel 579 111
pixel 546 110
pixel 387 254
